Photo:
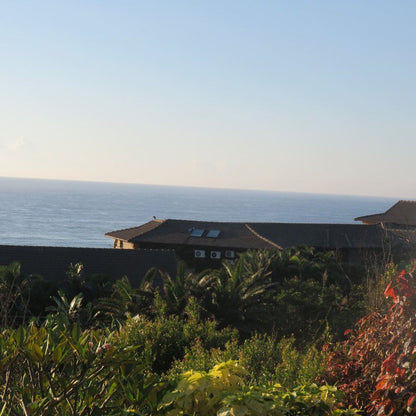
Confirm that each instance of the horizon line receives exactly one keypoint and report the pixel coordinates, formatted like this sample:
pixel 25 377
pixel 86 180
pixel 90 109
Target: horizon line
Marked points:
pixel 207 187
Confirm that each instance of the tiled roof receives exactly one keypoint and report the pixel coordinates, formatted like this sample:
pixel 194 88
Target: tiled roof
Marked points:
pixel 52 262
pixel 402 213
pixel 333 236
pixel 178 232
pixel 254 235
pixel 128 234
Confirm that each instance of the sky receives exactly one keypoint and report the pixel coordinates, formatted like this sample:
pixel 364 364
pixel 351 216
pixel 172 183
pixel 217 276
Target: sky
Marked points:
pixel 304 96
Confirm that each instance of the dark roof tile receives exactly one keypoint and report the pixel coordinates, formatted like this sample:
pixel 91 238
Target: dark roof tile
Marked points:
pixel 178 232
pixel 254 235
pixel 402 213
pixel 333 236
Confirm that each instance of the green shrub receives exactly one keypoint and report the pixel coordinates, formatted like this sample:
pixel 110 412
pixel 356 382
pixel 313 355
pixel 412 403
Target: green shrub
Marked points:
pixel 13 305
pixel 206 331
pixel 63 371
pixel 161 341
pixel 222 391
pixel 304 308
pixel 298 367
pixel 198 358
pixel 260 356
pixel 38 293
pixel 266 360
pixel 157 342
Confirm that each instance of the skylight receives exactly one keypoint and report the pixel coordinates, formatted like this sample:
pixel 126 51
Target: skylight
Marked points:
pixel 197 232
pixel 213 233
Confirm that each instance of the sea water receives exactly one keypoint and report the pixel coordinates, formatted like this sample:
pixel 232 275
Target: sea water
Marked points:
pixel 78 214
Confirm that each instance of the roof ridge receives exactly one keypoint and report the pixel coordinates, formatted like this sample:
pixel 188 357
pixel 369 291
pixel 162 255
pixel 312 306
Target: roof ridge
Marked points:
pixel 137 226
pixel 205 221
pixel 399 203
pixel 262 237
pixel 369 215
pixel 393 206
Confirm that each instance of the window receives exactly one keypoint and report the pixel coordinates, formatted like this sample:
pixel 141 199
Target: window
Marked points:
pixel 197 232
pixel 213 233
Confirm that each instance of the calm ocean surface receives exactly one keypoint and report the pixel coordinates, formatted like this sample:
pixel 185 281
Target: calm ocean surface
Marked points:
pixel 78 214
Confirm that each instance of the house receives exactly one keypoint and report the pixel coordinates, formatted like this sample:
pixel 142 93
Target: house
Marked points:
pixel 402 214
pixel 206 243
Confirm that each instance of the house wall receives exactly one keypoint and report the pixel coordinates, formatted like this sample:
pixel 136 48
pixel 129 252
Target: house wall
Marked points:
pixel 369 222
pixel 120 244
pixel 186 253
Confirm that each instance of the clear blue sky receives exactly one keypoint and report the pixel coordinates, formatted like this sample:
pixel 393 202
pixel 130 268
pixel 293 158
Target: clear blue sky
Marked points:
pixel 306 96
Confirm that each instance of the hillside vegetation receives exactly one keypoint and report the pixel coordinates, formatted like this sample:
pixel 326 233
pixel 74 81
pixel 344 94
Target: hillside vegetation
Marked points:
pixel 262 336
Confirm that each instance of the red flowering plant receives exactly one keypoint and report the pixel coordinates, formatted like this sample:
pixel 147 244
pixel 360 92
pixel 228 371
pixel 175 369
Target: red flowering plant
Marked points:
pixel 376 365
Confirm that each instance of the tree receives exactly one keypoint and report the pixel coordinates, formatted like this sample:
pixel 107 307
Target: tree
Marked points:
pixel 241 294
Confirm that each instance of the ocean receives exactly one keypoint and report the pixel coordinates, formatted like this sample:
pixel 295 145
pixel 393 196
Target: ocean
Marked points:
pixel 78 214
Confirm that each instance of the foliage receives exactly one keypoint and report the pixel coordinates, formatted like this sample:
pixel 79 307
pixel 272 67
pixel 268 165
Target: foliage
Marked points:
pixel 260 355
pixel 92 286
pixel 176 292
pixel 13 306
pixel 241 294
pixel 123 301
pixel 58 369
pixel 161 340
pixel 376 365
pixel 294 291
pixel 68 312
pixel 38 293
pixel 374 285
pixel 309 263
pixel 222 391
pixel 51 371
pixel 298 366
pixel 265 359
pixel 235 294
pixel 303 307
pixel 179 332
pixel 198 358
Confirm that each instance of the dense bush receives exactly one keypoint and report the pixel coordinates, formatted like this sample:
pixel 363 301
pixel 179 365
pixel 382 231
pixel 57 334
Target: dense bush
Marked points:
pixel 162 340
pixel 292 292
pixel 58 370
pixel 265 359
pixel 244 339
pixel 222 391
pixel 376 365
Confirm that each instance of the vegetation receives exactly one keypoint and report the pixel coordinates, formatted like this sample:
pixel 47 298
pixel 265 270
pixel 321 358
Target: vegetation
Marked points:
pixel 376 365
pixel 263 335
